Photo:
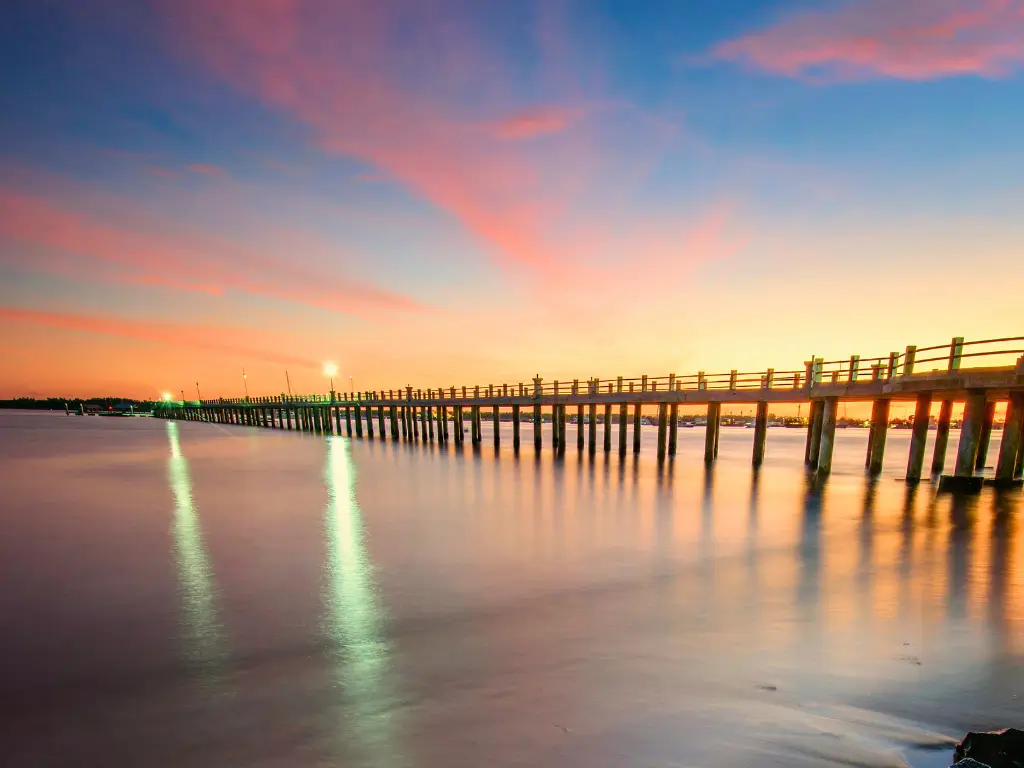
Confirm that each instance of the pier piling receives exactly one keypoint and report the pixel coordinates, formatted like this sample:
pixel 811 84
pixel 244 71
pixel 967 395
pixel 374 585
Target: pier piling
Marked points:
pixel 918 438
pixel 711 432
pixel 662 430
pixel 1010 445
pixel 986 435
pixel 970 434
pixel 827 440
pixel 760 433
pixel 877 435
pixel 942 436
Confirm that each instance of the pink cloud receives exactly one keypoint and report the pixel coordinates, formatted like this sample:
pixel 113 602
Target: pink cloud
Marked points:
pixel 539 121
pixel 901 39
pixel 187 261
pixel 229 341
pixel 366 77
pixel 164 173
pixel 206 170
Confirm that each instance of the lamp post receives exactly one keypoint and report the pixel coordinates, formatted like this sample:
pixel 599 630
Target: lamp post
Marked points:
pixel 183 397
pixel 197 392
pixel 245 382
pixel 329 370
pixel 351 386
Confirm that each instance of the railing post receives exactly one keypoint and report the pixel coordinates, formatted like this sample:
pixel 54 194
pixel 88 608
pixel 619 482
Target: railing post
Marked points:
pixel 894 358
pixel 908 360
pixel 769 378
pixel 702 382
pixel 956 351
pixel 854 365
pixel 732 381
pixel 537 386
pixel 643 383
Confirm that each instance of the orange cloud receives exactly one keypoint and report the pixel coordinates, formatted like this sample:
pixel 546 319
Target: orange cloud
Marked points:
pixel 902 39
pixel 186 261
pixel 539 121
pixel 188 336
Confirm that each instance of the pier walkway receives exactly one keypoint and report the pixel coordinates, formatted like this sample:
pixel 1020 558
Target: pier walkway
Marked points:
pixel 978 374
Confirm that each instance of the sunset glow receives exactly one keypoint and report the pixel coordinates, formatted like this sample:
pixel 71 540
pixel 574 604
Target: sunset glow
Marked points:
pixel 460 193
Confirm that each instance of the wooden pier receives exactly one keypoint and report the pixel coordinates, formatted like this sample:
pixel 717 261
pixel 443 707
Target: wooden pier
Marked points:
pixel 976 373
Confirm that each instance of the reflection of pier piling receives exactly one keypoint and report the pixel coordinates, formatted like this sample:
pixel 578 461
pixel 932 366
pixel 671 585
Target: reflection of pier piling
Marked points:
pixel 414 415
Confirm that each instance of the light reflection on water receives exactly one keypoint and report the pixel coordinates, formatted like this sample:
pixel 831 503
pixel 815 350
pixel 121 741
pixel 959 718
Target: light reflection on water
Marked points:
pixel 202 633
pixel 390 604
pixel 354 620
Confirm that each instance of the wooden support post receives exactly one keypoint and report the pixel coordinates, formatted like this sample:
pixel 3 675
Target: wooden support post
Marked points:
pixel 592 429
pixel 1010 445
pixel 537 444
pixel 607 427
pixel 877 435
pixel 357 416
pixel 673 428
pixel 423 423
pixel 828 435
pixel 554 426
pixel 662 430
pixel 970 433
pixel 337 420
pixel 918 438
pixel 478 432
pixel 369 422
pixel 393 414
pixel 813 442
pixel 986 435
pixel 429 415
pixel 711 432
pixel 515 428
pixel 623 418
pixel 380 422
pixel 760 433
pixel 561 430
pixel 579 428
pixel 1018 468
pixel 496 421
pixel 942 436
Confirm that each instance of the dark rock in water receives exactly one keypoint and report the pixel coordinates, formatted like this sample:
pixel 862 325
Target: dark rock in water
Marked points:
pixel 968 763
pixel 997 749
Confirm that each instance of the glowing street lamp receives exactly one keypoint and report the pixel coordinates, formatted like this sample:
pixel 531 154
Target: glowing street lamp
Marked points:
pixel 329 370
pixel 245 382
pixel 166 397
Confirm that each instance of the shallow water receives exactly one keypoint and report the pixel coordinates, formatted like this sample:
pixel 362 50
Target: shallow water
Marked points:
pixel 204 595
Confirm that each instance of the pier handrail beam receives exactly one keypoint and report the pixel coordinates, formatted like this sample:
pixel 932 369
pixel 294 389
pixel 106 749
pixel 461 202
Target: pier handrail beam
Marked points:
pixel 817 372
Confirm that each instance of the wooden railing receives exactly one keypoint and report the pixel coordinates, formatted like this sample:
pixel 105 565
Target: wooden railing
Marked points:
pixel 947 358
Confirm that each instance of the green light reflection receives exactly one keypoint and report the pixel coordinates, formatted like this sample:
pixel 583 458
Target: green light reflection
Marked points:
pixel 354 621
pixel 202 634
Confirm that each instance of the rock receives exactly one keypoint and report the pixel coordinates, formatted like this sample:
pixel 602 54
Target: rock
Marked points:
pixel 968 763
pixel 996 749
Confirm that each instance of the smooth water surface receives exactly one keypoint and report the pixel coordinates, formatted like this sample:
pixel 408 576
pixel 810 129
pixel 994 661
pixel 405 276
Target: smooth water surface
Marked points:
pixel 202 595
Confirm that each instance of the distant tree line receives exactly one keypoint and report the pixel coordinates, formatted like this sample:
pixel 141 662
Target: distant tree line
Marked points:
pixel 58 403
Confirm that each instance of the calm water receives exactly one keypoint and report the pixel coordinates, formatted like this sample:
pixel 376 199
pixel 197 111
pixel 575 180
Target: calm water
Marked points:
pixel 194 594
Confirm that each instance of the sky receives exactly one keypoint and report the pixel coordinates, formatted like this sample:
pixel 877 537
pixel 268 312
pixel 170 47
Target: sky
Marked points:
pixel 437 193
